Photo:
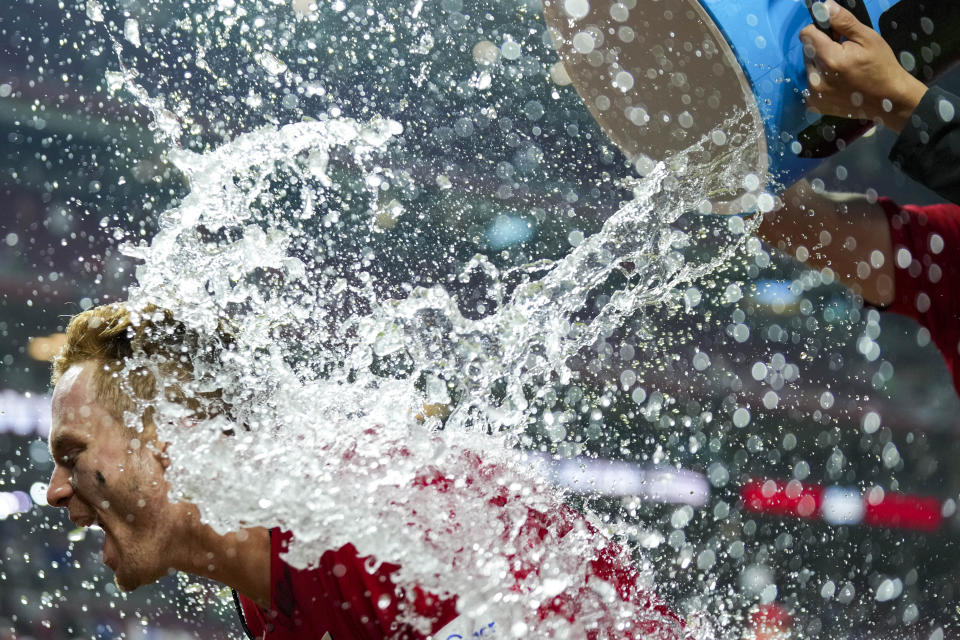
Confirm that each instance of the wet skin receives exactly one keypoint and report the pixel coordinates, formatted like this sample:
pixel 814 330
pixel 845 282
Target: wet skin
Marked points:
pixel 104 474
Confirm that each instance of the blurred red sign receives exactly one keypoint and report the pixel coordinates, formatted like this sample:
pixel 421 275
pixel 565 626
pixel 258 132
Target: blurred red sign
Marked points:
pixel 876 508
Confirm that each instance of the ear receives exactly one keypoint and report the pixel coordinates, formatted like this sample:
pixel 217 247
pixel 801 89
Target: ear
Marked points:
pixel 163 458
pixel 158 450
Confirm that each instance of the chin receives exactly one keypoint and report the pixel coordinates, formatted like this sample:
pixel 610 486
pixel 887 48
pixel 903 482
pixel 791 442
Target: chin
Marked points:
pixel 123 586
pixel 127 580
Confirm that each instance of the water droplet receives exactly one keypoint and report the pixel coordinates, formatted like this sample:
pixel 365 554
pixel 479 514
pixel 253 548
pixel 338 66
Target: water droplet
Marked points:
pixel 271 63
pixel 131 31
pixel 576 9
pixel 94 11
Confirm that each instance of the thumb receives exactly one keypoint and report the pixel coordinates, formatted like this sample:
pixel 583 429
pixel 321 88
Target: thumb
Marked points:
pixel 816 43
pixel 844 23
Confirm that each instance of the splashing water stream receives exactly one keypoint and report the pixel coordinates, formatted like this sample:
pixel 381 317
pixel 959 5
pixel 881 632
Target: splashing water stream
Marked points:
pixel 305 380
pixel 422 290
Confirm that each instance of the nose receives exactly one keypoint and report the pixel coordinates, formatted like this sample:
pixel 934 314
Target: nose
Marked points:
pixel 60 489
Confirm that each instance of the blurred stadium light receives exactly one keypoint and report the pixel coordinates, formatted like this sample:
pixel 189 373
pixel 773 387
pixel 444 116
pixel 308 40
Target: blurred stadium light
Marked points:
pixel 24 413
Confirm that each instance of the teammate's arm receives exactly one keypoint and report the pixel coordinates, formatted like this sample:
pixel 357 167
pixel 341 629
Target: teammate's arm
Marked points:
pixel 846 233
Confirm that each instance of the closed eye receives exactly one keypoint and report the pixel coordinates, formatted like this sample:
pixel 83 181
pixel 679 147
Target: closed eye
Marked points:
pixel 65 449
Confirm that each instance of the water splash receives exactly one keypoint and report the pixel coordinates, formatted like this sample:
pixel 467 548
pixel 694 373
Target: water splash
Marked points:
pixel 302 374
pixel 494 141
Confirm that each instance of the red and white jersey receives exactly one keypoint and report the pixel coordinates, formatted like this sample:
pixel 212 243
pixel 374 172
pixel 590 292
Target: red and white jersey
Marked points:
pixel 352 598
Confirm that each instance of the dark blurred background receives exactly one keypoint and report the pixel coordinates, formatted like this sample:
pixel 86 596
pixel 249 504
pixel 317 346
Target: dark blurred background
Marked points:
pixel 66 200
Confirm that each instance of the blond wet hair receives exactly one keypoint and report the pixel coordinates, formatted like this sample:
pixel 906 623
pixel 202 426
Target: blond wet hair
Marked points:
pixel 111 335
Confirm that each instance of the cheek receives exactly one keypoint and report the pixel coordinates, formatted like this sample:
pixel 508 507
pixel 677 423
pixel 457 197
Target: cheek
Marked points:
pixel 100 481
pixel 141 474
pixel 86 484
pixel 115 468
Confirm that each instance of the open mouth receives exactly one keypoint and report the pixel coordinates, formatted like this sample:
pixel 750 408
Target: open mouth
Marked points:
pixel 108 552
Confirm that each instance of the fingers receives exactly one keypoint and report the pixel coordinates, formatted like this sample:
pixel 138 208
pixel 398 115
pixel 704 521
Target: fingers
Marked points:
pixel 814 78
pixel 825 99
pixel 813 35
pixel 845 24
pixel 820 97
pixel 810 35
pixel 813 96
pixel 814 75
pixel 819 46
pixel 812 61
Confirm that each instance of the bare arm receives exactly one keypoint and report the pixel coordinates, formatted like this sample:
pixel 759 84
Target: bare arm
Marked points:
pixel 842 232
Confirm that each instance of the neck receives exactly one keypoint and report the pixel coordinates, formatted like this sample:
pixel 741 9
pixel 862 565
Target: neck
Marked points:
pixel 240 560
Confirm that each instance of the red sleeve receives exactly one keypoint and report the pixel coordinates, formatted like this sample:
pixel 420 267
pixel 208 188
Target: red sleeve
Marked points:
pixel 926 254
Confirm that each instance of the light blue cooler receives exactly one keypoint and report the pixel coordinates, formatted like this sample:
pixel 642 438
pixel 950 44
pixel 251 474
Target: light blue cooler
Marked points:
pixel 658 75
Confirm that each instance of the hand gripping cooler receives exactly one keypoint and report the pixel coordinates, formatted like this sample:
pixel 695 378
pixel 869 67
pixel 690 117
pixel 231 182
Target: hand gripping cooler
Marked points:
pixel 658 75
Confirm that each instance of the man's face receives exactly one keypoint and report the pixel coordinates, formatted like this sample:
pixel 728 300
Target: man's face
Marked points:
pixel 105 475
